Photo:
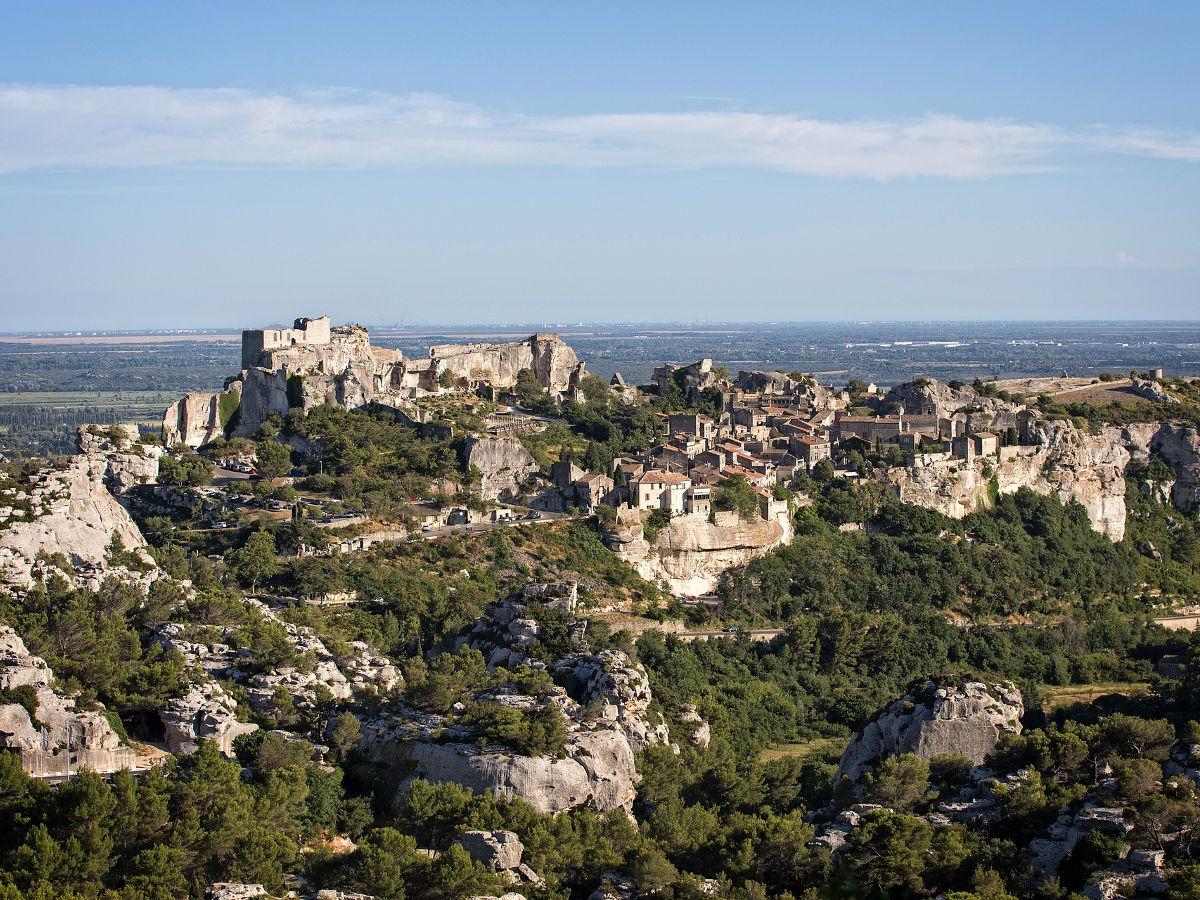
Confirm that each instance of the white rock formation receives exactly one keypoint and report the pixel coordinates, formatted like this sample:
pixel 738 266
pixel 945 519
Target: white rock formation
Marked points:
pixel 1071 463
pixel 597 771
pixel 701 733
pixel 500 851
pixel 74 511
pixel 965 718
pixel 205 712
pixel 313 363
pixel 616 689
pixel 503 464
pixel 58 725
pixel 690 553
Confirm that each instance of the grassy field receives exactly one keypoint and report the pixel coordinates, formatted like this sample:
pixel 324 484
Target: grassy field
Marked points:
pixel 804 749
pixel 156 400
pixel 1055 695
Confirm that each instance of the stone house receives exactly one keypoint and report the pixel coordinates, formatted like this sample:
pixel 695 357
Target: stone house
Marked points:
pixel 656 489
pixel 698 501
pixel 699 426
pixel 977 443
pixel 810 450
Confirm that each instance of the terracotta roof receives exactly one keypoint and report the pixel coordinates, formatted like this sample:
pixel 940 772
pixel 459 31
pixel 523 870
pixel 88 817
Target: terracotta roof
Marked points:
pixel 658 476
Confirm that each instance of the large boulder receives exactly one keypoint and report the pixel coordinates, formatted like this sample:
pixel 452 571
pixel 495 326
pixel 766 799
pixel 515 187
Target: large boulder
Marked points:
pixel 597 770
pixel 964 717
pixel 500 851
pixel 205 712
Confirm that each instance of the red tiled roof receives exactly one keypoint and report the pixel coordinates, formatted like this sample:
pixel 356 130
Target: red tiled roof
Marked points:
pixel 658 476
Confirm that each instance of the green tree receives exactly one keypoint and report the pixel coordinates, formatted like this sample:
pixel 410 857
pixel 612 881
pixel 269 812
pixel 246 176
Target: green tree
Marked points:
pixel 272 459
pixel 736 494
pixel 256 560
pixel 899 782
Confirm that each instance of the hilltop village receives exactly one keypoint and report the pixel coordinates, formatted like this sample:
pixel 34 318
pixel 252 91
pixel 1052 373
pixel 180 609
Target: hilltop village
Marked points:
pixel 482 624
pixel 677 492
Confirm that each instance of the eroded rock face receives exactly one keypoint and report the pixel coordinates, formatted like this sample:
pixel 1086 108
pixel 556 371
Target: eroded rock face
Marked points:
pixel 690 553
pixel 616 689
pixel 306 367
pixel 503 464
pixel 500 851
pixel 604 699
pixel 701 733
pixel 598 771
pixel 74 510
pixel 1177 444
pixel 205 712
pixel 966 718
pixel 195 419
pixel 58 725
pixel 1072 463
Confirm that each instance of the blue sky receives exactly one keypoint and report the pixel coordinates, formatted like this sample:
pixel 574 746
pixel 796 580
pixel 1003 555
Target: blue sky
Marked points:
pixel 215 164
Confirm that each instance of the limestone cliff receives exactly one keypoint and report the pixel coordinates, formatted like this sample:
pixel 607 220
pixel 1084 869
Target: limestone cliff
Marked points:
pixel 503 464
pixel 690 553
pixel 1074 463
pixel 70 508
pixel 964 717
pixel 1176 444
pixel 1070 462
pixel 307 366
pixel 42 743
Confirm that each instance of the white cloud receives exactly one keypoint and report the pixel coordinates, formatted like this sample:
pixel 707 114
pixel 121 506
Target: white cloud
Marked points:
pixel 1125 259
pixel 138 126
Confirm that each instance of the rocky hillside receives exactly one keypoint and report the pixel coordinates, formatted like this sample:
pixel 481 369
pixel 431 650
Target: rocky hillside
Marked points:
pixel 603 701
pixel 1068 461
pixel 1084 464
pixel 73 508
pixel 43 728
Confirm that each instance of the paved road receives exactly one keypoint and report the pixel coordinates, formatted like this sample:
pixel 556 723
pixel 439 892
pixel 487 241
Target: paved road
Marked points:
pixel 755 634
pixel 478 527
pixel 1175 623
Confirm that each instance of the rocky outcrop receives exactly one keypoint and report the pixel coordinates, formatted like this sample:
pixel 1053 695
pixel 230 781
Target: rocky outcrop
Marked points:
pixel 314 363
pixel 1069 462
pixel 195 419
pixel 597 771
pixel 700 732
pixel 503 464
pixel 690 553
pixel 1177 444
pixel 70 508
pixel 548 356
pixel 56 725
pixel 963 717
pixel 604 700
pixel 615 689
pixel 500 851
pixel 205 712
